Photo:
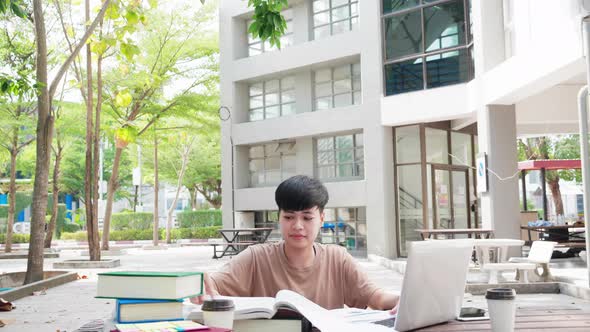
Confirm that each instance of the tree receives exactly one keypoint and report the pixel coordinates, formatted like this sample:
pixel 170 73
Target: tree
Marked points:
pixel 122 18
pixel 47 89
pixel 16 106
pixel 204 171
pixel 559 147
pixel 173 48
pixel 45 117
pixel 66 132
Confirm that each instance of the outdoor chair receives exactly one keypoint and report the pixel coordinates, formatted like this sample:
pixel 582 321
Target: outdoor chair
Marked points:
pixel 539 256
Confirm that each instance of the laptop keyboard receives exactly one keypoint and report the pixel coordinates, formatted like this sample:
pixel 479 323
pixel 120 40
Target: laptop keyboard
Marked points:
pixel 389 322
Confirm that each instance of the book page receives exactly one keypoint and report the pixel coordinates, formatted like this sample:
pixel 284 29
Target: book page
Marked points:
pixel 245 308
pixel 319 317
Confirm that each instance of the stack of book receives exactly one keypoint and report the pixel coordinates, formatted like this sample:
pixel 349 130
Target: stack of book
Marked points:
pixel 144 297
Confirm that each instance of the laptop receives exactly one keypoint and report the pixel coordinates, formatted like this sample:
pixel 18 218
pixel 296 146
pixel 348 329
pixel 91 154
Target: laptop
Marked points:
pixel 432 289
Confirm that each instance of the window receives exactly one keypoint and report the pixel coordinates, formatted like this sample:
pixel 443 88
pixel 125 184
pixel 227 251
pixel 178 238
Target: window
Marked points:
pixel 337 87
pixel 331 17
pixel 268 219
pixel 340 157
pixel 346 227
pixel 426 45
pixel 271 99
pixel 256 46
pixel 270 164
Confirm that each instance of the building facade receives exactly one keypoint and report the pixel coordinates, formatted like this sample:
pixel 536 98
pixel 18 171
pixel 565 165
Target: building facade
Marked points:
pixel 389 103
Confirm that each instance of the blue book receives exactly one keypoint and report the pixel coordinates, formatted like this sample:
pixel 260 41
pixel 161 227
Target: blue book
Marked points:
pixel 145 311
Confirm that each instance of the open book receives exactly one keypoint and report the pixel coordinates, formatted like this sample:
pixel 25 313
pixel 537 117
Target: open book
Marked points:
pixel 266 307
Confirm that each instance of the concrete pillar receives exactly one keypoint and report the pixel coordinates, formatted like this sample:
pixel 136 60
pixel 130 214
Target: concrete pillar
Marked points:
pixel 303 91
pixel 301 22
pixel 488 34
pixel 305 156
pixel 228 52
pixel 496 125
pixel 378 141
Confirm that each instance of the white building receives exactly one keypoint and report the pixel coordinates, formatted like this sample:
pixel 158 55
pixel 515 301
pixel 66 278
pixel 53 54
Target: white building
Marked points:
pixel 388 102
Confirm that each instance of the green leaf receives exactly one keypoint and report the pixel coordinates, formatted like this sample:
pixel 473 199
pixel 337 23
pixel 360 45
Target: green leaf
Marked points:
pixel 17 10
pixel 123 98
pixel 132 17
pixel 127 134
pixel 129 50
pixel 98 47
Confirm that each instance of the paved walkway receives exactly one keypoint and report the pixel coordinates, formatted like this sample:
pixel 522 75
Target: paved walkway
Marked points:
pixel 69 306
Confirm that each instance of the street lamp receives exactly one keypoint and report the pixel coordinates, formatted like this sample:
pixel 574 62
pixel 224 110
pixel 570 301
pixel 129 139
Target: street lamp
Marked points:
pixel 225 115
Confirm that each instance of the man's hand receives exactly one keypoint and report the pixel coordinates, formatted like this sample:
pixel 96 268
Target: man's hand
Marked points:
pixel 210 290
pixel 383 300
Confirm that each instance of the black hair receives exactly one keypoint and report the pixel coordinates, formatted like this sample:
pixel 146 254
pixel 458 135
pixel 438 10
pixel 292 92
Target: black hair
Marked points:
pixel 300 192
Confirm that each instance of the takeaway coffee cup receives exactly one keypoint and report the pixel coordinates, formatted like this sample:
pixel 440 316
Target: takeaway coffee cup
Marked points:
pixel 502 308
pixel 218 313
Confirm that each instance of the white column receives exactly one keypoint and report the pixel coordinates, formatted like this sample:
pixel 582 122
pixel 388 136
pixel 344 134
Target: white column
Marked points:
pixel 229 50
pixel 496 125
pixel 378 142
pixel 488 34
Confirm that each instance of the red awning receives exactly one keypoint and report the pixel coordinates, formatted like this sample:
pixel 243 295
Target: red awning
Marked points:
pixel 530 165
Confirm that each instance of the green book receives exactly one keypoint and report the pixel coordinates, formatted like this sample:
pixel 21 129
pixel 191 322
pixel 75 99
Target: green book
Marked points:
pixel 149 285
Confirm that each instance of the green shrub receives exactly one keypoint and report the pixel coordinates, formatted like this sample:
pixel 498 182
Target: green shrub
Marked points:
pixel 200 218
pixel 77 236
pixel 146 234
pixel 16 238
pixel 69 227
pixel 132 221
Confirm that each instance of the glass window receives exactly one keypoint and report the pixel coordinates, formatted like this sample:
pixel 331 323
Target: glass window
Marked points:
pixel 448 68
pixel 461 149
pixel 426 44
pixel 256 46
pixel 340 157
pixel 403 35
pixel 346 226
pixel 271 163
pixel 436 146
pixel 272 99
pixel 409 190
pixel 337 87
pixel 332 17
pixel 444 24
pixel 407 144
pixel 390 6
pixel 404 76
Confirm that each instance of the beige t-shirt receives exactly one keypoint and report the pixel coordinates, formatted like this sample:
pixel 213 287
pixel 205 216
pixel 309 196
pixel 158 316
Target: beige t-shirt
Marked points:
pixel 333 280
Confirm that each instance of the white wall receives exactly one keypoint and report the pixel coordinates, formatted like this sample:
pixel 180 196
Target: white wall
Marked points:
pixel 553 111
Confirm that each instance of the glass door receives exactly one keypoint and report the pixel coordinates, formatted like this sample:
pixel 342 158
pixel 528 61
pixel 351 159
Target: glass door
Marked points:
pixel 450 197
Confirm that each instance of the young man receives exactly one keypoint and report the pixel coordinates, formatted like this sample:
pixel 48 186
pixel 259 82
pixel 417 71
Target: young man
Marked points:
pixel 325 274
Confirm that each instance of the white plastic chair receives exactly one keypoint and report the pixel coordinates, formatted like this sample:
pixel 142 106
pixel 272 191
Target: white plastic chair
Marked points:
pixel 539 256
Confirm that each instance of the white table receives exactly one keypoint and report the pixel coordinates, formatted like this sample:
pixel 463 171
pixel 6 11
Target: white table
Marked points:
pixel 483 246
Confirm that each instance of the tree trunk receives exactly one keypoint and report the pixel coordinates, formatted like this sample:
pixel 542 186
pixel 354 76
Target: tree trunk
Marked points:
pixel 112 186
pixel 94 243
pixel 156 189
pixel 556 194
pixel 54 207
pixel 11 199
pixel 44 135
pixel 193 194
pixel 185 156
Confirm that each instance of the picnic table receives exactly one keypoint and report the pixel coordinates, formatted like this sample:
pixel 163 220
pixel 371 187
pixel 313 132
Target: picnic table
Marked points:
pixel 572 236
pixel 238 239
pixel 434 233
pixel 566 320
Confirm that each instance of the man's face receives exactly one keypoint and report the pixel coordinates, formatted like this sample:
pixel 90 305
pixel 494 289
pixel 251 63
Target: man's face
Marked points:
pixel 300 228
